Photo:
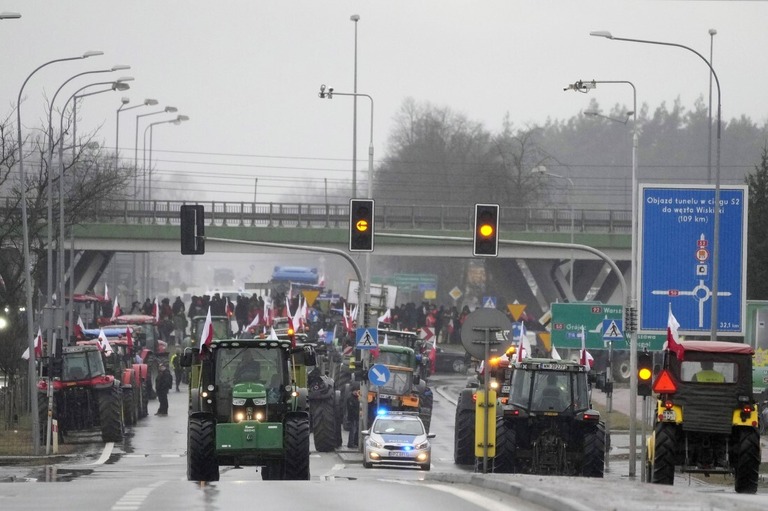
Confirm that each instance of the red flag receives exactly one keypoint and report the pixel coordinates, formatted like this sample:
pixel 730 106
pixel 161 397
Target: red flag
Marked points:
pixel 206 334
pixel 433 356
pixel 104 343
pixel 673 339
pixel 38 346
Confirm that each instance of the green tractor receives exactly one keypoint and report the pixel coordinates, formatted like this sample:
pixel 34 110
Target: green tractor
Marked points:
pixel 246 409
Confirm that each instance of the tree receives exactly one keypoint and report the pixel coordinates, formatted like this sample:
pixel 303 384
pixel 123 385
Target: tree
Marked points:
pixel 757 242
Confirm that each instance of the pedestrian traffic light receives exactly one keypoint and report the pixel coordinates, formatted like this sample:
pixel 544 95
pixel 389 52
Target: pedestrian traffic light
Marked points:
pixel 486 235
pixel 644 373
pixel 361 225
pixel 192 230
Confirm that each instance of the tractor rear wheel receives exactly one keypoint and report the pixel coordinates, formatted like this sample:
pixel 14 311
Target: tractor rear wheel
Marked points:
pixel 664 454
pixel 201 450
pixel 146 388
pixel 111 414
pixel 129 407
pixel 464 439
pixel 322 413
pixel 747 462
pixel 594 452
pixel 505 461
pixel 296 446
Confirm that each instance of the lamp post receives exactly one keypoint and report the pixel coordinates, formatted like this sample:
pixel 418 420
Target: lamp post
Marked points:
pixel 166 110
pixel 178 120
pixel 543 170
pixel 354 18
pixel 581 86
pixel 49 257
pixel 364 290
pixel 25 236
pixel 716 236
pixel 712 33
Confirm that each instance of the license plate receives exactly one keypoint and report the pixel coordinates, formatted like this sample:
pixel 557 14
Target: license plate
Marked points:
pixel 668 415
pixel 398 454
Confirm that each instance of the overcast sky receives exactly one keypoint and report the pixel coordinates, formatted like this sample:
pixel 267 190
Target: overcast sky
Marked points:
pixel 247 72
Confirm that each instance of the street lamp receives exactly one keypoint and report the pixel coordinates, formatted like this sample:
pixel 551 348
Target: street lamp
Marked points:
pixel 581 86
pixel 716 236
pixel 712 33
pixel 124 101
pixel 166 110
pixel 354 18
pixel 25 236
pixel 594 113
pixel 118 67
pixel 543 170
pixel 178 120
pixel 364 290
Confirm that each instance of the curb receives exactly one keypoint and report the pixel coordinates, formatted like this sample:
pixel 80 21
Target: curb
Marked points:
pixel 496 483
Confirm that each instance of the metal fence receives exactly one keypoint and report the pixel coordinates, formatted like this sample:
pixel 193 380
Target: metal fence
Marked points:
pixel 388 216
pixel 15 421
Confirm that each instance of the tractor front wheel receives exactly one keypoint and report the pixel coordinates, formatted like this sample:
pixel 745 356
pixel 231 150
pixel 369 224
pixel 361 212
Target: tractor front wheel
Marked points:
pixel 201 450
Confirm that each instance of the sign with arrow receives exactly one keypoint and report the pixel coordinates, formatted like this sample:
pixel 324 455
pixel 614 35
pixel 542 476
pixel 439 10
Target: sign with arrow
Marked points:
pixel 379 375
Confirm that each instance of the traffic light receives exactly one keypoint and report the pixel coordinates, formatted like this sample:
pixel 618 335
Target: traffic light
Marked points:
pixel 361 225
pixel 630 319
pixel 192 230
pixel 644 373
pixel 486 235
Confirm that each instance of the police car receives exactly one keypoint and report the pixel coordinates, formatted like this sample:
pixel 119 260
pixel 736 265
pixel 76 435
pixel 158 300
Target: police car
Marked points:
pixel 397 438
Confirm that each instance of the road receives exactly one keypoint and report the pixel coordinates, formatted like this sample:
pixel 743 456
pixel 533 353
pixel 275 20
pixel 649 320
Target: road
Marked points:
pixel 148 472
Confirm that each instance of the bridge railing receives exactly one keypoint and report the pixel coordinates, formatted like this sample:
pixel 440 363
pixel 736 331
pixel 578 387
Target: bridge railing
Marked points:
pixel 388 216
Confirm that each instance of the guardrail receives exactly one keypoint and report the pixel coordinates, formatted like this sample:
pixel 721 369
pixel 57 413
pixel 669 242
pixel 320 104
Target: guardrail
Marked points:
pixel 388 216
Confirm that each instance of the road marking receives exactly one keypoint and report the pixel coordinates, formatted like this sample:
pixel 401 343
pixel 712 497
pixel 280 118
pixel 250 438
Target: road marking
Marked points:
pixel 470 496
pixel 105 454
pixel 331 474
pixel 134 498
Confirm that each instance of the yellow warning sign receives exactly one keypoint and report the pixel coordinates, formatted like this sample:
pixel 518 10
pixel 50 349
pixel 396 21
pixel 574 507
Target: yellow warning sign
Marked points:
pixel 546 340
pixel 516 309
pixel 310 295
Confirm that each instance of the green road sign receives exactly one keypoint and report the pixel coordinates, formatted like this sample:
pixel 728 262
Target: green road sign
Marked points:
pixel 569 318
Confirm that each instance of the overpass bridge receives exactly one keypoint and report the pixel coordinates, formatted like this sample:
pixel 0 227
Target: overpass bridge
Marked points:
pixel 535 276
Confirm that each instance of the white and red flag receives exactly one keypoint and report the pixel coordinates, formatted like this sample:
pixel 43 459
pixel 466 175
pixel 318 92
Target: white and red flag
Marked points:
pixel 206 333
pixel 386 317
pixel 585 358
pixel 673 338
pixel 254 323
pixel 38 344
pixel 554 354
pixel 129 340
pixel 106 292
pixel 521 351
pixel 79 327
pixel 115 310
pixel 104 343
pixel 156 310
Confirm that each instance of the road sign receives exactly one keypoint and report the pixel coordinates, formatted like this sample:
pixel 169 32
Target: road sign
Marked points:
pixel 455 293
pixel 675 247
pixel 516 309
pixel 613 330
pixel 379 374
pixel 569 318
pixel 367 338
pixel 474 340
pixel 489 302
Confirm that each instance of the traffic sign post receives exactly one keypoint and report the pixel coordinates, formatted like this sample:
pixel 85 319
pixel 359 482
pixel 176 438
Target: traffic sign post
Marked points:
pixel 677 230
pixel 366 338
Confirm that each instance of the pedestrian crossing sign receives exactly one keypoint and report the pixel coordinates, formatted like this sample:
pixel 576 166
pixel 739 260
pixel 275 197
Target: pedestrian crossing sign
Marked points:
pixel 612 330
pixel 366 338
pixel 489 302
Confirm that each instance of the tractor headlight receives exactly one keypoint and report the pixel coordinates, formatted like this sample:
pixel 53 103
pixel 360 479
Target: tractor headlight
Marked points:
pixel 239 416
pixel 238 401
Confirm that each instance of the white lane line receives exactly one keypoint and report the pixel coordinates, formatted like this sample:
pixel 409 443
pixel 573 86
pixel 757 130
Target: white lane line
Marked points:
pixel 469 496
pixel 105 454
pixel 134 498
pixel 331 474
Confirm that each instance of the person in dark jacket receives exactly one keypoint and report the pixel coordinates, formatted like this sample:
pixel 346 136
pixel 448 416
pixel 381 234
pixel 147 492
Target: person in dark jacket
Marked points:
pixel 163 384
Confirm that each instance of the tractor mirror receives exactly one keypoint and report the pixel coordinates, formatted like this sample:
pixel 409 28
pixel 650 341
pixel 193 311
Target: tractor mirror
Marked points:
pixel 187 358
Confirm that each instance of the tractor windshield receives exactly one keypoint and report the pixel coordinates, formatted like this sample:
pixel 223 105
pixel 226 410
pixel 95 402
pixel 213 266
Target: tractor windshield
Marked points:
pixel 399 384
pixel 553 391
pixel 255 365
pixel 82 366
pixel 395 359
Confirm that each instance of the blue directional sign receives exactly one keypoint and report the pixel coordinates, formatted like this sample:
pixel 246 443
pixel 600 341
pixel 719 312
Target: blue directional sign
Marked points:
pixel 676 257
pixel 367 338
pixel 379 374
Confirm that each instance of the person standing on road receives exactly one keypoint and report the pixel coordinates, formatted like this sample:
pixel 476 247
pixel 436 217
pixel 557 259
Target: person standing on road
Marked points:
pixel 163 383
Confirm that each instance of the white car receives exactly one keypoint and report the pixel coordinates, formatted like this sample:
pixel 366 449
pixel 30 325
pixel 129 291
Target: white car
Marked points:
pixel 397 438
